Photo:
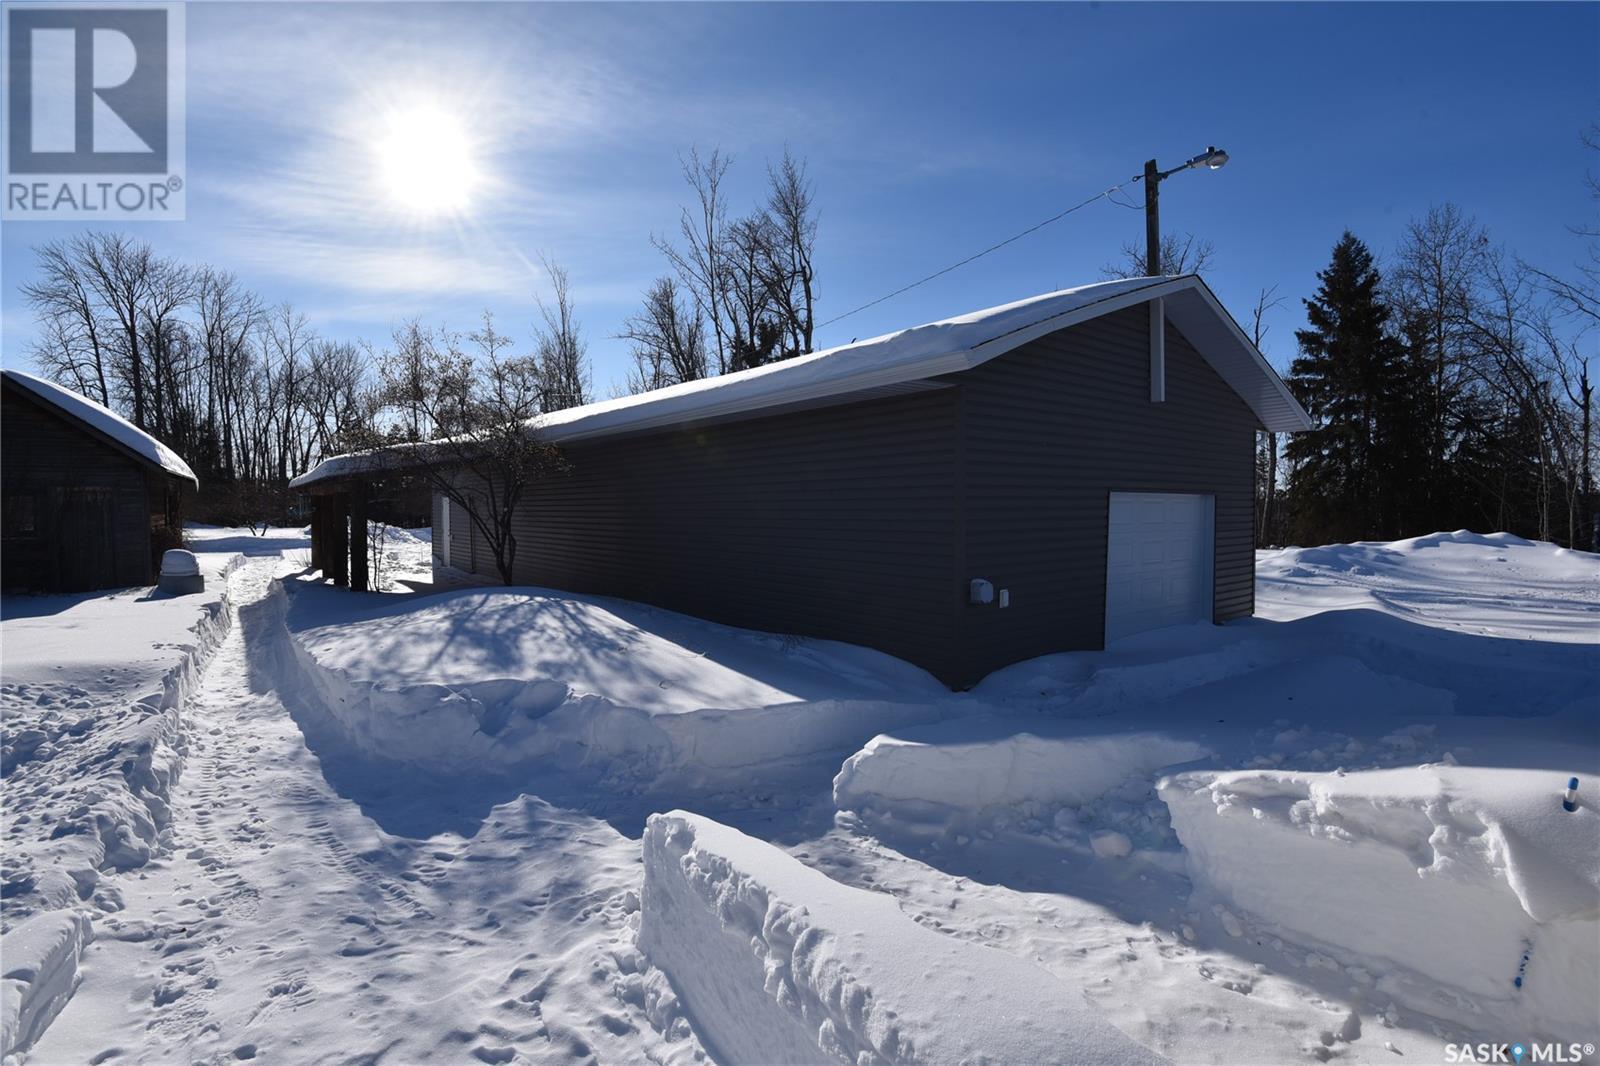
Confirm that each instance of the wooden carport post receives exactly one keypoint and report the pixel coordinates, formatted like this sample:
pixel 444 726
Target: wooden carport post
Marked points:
pixel 318 551
pixel 338 549
pixel 358 538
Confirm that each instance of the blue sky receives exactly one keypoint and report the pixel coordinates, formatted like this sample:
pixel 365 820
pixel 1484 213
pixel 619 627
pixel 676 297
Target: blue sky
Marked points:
pixel 930 131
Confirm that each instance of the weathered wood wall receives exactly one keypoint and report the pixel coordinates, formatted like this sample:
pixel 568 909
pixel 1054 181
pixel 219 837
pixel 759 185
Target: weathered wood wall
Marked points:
pixel 89 504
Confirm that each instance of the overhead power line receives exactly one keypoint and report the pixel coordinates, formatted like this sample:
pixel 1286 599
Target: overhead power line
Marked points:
pixel 1105 194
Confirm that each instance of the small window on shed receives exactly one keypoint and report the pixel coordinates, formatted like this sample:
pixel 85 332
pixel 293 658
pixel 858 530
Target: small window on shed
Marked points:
pixel 21 517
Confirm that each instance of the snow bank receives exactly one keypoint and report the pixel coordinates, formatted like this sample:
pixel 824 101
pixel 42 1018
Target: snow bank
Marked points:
pixel 775 962
pixel 401 557
pixel 1491 583
pixel 497 679
pixel 401 535
pixel 1438 878
pixel 1392 665
pixel 94 742
pixel 506 725
pixel 40 974
pixel 956 774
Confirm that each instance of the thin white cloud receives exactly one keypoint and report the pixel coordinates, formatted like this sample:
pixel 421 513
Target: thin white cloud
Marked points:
pixel 576 115
pixel 302 197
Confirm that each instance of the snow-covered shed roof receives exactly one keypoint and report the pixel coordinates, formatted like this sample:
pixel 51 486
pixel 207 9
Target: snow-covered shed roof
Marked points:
pixel 103 420
pixel 945 347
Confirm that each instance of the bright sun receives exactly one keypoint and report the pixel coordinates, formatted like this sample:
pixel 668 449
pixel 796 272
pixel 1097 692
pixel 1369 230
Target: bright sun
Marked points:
pixel 425 158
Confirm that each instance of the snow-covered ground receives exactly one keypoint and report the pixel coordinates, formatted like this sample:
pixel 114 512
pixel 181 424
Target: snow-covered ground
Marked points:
pixel 404 557
pixel 1385 870
pixel 1493 584
pixel 415 827
pixel 91 689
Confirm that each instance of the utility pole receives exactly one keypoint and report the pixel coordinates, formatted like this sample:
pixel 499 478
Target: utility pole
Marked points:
pixel 1212 159
pixel 1152 219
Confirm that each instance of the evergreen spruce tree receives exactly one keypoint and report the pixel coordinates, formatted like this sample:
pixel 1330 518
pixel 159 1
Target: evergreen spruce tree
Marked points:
pixel 1348 370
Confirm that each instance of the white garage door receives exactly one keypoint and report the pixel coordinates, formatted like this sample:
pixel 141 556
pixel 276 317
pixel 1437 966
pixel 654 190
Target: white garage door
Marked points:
pixel 1158 561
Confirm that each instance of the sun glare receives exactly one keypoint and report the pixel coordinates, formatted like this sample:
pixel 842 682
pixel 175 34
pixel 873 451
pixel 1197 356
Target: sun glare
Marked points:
pixel 425 158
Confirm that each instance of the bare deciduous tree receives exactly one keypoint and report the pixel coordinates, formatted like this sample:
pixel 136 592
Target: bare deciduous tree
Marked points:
pixel 559 345
pixel 229 315
pixel 788 270
pixel 1580 298
pixel 751 282
pixel 169 286
pixel 699 263
pixel 335 396
pixel 488 403
pixel 73 349
pixel 1187 254
pixel 1267 450
pixel 755 335
pixel 117 270
pixel 668 340
pixel 1435 286
pixel 404 373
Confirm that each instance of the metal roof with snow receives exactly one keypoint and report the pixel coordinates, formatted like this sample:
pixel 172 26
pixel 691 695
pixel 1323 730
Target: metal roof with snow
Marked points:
pixel 103 421
pixel 895 359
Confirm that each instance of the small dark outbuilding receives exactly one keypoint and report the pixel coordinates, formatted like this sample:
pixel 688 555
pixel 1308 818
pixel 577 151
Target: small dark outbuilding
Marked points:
pixel 1043 476
pixel 88 500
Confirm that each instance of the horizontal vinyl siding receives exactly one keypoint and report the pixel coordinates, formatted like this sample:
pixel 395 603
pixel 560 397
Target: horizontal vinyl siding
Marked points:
pixel 836 522
pixel 1051 430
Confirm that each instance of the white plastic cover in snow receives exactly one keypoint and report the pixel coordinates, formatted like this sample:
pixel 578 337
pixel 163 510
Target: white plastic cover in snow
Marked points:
pixel 100 417
pixel 945 347
pixel 179 562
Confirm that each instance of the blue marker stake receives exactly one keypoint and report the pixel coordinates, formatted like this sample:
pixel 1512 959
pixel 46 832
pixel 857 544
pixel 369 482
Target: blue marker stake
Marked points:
pixel 1569 802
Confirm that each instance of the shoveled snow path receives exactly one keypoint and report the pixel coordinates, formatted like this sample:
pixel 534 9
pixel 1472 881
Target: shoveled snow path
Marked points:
pixel 287 921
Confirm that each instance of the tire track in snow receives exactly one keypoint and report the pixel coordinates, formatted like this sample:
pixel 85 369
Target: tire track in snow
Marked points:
pixel 322 831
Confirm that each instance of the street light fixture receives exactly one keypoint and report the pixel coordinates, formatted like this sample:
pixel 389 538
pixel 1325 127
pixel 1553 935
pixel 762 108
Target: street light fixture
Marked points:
pixel 1213 158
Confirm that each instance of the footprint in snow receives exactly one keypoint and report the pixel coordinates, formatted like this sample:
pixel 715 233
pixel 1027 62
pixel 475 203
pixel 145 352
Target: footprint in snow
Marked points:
pixel 169 992
pixel 1227 977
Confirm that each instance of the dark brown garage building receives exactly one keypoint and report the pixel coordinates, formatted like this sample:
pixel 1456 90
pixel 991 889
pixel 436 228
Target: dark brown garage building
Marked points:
pixel 89 501
pixel 1038 477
